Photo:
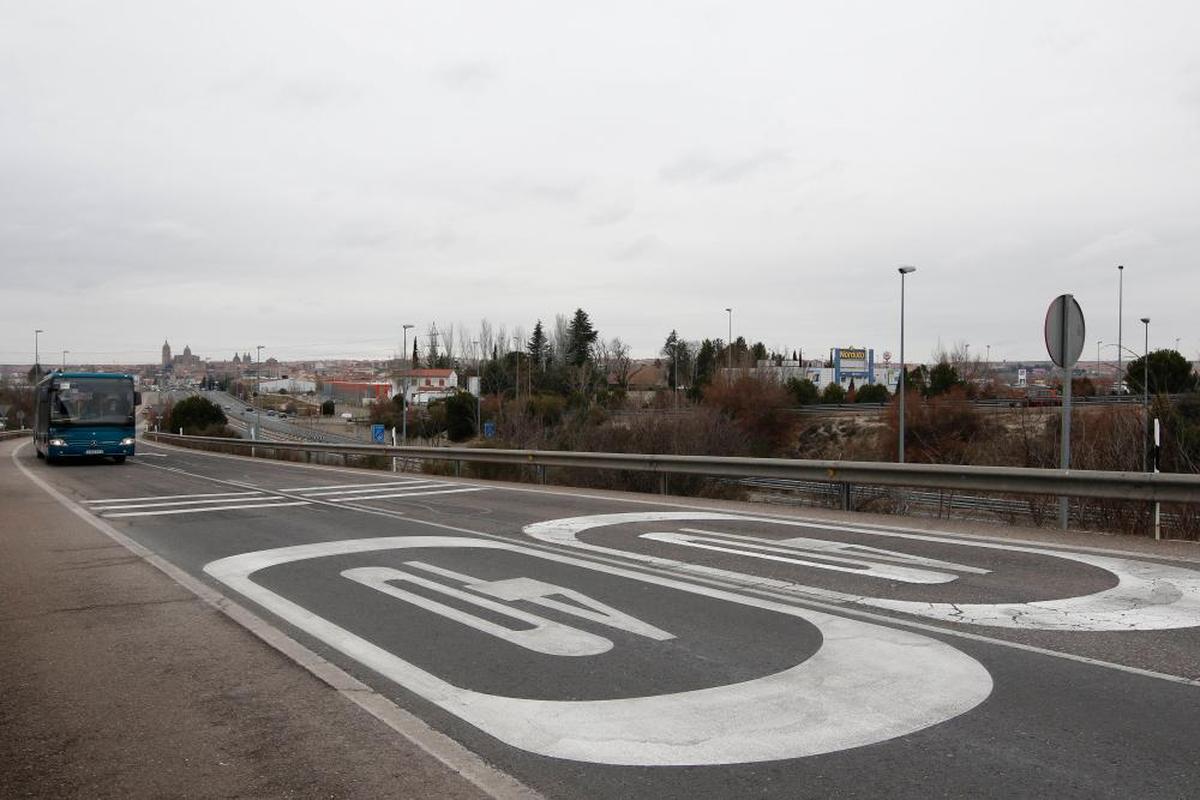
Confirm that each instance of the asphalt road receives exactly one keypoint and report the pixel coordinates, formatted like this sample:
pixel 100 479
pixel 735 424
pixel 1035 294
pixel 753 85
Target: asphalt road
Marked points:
pixel 601 645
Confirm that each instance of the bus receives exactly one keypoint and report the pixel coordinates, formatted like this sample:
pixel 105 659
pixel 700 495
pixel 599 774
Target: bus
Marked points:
pixel 85 414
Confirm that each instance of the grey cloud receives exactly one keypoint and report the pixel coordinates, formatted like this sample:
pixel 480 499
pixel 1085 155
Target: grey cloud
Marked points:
pixel 610 215
pixel 705 169
pixel 467 76
pixel 638 247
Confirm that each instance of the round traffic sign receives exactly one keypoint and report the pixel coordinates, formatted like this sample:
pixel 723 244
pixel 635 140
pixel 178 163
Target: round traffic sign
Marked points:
pixel 1065 331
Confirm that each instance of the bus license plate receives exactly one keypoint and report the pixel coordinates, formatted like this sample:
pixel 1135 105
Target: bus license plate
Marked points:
pixel 93 452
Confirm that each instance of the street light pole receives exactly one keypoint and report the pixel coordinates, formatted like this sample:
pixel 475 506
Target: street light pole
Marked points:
pixel 1098 343
pixel 729 344
pixel 1146 396
pixel 407 372
pixel 903 272
pixel 1120 313
pixel 258 394
pixel 37 372
pixel 64 360
pixel 479 394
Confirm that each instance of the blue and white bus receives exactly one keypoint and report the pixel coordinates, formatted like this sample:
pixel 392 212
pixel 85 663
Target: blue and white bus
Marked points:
pixel 85 414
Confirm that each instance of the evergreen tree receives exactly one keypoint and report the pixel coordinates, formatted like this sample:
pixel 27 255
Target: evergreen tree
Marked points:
pixel 538 346
pixel 416 361
pixel 580 338
pixel 759 352
pixel 706 366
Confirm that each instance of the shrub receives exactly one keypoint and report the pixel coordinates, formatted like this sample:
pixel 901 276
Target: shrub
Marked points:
pixel 758 406
pixel 834 393
pixel 195 414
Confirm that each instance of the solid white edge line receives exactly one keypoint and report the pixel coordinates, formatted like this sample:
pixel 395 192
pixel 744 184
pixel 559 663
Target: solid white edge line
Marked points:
pixel 368 486
pixel 470 766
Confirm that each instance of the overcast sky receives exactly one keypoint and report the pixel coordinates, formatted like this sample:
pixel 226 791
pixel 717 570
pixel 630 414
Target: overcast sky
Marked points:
pixel 308 176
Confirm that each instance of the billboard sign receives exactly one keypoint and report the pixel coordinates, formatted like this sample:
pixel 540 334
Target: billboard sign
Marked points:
pixel 854 362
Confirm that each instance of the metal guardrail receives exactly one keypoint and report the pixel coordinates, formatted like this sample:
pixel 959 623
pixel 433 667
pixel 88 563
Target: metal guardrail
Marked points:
pixel 17 434
pixel 1164 487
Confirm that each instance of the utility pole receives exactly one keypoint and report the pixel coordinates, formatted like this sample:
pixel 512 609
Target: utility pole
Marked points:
pixel 64 360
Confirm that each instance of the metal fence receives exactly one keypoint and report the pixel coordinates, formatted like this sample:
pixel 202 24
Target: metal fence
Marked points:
pixel 1135 486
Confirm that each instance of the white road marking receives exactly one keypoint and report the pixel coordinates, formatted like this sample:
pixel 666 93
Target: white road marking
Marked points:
pixel 202 510
pixel 768 553
pixel 376 484
pixel 403 494
pixel 1147 596
pixel 542 636
pixel 168 497
pixel 258 496
pixel 868 683
pixel 383 487
pixel 491 780
pixel 824 548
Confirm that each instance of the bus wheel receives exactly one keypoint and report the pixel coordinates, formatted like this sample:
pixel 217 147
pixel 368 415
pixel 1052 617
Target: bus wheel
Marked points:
pixel 119 459
pixel 39 453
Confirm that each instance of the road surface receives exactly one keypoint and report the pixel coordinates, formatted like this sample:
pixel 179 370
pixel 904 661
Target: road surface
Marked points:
pixel 602 645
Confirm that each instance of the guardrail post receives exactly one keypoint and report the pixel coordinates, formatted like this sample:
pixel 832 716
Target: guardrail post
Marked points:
pixel 844 491
pixel 541 473
pixel 458 468
pixel 662 484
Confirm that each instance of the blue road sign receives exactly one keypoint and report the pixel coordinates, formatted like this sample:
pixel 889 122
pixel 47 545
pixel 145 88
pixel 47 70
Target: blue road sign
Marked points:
pixel 489 429
pixel 377 432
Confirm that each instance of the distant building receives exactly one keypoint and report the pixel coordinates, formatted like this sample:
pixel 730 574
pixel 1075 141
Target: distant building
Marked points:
pixel 289 385
pixel 425 385
pixel 850 366
pixel 361 392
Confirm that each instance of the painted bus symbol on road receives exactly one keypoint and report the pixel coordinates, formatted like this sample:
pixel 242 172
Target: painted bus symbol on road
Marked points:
pixel 866 683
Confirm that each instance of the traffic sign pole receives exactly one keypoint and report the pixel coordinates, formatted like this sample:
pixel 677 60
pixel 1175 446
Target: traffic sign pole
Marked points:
pixel 1065 334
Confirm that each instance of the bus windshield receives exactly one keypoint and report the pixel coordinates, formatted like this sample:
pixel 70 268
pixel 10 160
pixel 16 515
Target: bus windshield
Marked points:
pixel 91 401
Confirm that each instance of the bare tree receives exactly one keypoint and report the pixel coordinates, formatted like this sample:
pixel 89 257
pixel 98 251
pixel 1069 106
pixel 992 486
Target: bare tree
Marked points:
pixel 614 359
pixel 560 338
pixel 486 338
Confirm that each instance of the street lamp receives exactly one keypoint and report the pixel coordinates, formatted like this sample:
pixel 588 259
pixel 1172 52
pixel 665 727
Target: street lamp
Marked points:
pixel 1146 396
pixel 1098 343
pixel 407 372
pixel 475 351
pixel 258 394
pixel 903 272
pixel 1120 313
pixel 729 344
pixel 64 360
pixel 517 361
pixel 37 372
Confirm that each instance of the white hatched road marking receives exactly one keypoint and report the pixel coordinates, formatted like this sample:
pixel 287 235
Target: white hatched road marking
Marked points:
pixel 405 494
pixel 330 487
pixel 167 497
pixel 257 496
pixel 385 487
pixel 201 510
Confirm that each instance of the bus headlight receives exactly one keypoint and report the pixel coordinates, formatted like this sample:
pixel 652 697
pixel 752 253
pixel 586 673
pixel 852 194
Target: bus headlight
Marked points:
pixel 127 441
pixel 58 443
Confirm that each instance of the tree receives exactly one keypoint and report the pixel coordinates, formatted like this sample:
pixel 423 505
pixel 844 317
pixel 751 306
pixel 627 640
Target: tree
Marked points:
pixel 803 391
pixel 678 358
pixel 1169 373
pixel 538 346
pixel 872 393
pixel 834 393
pixel 942 378
pixel 580 338
pixel 706 366
pixel 416 360
pixel 759 352
pixel 460 416
pixel 198 416
pixel 328 408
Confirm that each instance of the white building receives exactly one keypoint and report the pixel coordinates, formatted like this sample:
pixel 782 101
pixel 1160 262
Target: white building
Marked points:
pixel 851 366
pixel 421 386
pixel 289 385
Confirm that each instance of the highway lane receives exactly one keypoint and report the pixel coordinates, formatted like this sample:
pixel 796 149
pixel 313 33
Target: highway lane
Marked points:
pixel 704 651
